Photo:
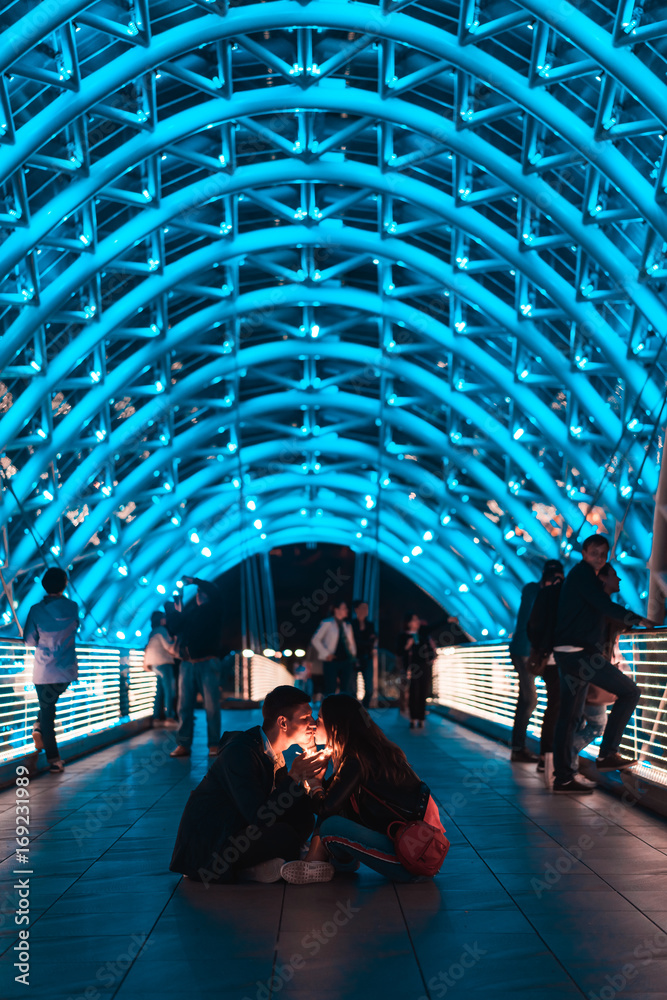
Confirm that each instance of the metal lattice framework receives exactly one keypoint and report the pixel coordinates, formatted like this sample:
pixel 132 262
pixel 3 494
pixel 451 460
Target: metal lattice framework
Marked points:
pixel 382 274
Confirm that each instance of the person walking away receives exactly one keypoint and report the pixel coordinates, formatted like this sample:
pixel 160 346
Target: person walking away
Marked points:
pixel 372 785
pixel 592 723
pixel 540 630
pixel 51 627
pixel 159 659
pixel 198 630
pixel 416 650
pixel 365 638
pixel 579 651
pixel 250 815
pixel 335 645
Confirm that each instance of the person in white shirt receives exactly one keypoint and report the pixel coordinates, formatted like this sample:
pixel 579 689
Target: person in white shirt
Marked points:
pixel 51 627
pixel 335 645
pixel 159 659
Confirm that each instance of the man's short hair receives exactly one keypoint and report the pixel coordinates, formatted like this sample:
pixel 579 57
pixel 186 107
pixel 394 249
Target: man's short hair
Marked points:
pixel 54 580
pixel 357 601
pixel 156 618
pixel 282 701
pixel 595 542
pixel 605 571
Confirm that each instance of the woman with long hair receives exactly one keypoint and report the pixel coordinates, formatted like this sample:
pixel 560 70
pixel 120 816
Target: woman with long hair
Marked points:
pixel 372 783
pixel 417 651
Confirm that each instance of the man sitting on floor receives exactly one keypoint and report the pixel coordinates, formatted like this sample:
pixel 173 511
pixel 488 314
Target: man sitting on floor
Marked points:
pixel 250 814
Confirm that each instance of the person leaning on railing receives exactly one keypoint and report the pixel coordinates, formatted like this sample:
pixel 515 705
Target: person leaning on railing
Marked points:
pixel 519 654
pixel 51 627
pixel 593 722
pixel 579 645
pixel 541 662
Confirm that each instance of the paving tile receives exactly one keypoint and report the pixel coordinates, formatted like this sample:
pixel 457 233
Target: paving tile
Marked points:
pixel 102 880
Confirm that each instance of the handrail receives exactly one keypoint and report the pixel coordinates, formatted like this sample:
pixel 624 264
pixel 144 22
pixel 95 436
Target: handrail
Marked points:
pixel 478 680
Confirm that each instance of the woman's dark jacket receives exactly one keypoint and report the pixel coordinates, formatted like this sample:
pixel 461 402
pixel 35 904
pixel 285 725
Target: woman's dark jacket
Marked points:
pixel 345 795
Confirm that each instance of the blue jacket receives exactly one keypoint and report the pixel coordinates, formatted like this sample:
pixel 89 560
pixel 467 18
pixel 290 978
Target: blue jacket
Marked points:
pixel 51 628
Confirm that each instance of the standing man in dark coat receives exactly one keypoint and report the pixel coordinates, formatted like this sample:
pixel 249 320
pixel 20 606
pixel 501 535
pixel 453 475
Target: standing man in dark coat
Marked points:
pixel 519 654
pixel 579 644
pixel 250 814
pixel 198 630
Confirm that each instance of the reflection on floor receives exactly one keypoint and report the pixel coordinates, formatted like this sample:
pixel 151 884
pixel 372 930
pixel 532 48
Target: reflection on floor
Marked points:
pixel 541 896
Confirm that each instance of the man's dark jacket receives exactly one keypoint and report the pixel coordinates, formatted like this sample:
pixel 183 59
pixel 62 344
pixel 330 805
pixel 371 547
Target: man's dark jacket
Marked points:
pixel 541 626
pixel 583 609
pixel 236 792
pixel 519 644
pixel 199 628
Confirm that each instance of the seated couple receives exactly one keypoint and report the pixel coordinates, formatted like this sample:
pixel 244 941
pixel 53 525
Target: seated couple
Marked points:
pixel 250 818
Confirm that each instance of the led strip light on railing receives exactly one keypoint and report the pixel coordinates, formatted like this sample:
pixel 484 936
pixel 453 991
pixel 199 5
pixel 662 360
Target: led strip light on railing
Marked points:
pixel 480 680
pixel 265 674
pixel 108 681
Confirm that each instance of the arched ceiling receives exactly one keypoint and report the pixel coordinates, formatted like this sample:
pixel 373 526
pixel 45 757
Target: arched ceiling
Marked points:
pixel 382 274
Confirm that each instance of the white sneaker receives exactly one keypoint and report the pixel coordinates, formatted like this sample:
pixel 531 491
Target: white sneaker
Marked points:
pixel 266 871
pixel 302 872
pixel 56 766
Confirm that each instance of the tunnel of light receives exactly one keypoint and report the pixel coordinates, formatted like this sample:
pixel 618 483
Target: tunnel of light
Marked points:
pixel 380 274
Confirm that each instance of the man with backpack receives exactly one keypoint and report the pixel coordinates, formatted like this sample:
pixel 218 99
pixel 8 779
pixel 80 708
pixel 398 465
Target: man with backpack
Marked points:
pixel 540 630
pixel 519 653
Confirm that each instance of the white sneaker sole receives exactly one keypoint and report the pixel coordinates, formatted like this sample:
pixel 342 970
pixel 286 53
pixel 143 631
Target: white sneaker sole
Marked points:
pixel 303 872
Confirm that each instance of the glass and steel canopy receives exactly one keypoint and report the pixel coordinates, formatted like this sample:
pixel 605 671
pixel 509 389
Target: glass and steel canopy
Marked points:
pixel 384 274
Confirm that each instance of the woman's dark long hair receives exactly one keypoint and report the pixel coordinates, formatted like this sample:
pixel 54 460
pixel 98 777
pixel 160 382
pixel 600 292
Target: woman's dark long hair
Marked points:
pixel 352 733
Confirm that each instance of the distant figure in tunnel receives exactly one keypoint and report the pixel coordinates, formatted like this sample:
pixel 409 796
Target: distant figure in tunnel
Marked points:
pixel 250 814
pixel 51 627
pixel 199 642
pixel 519 654
pixel 159 659
pixel 365 638
pixel 335 645
pixel 416 650
pixel 579 647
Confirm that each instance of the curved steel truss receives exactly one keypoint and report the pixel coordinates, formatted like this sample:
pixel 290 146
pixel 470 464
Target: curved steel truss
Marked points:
pixel 387 274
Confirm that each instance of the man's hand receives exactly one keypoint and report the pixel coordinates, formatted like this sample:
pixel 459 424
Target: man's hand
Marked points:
pixel 649 623
pixel 329 658
pixel 304 768
pixel 188 579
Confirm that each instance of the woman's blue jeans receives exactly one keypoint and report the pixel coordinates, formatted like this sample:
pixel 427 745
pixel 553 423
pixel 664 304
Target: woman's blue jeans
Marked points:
pixel 348 841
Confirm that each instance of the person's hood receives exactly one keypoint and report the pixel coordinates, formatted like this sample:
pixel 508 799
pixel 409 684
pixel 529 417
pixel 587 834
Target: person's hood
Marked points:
pixel 57 611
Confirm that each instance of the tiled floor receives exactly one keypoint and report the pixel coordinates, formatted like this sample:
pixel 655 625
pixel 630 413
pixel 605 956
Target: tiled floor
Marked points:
pixel 542 897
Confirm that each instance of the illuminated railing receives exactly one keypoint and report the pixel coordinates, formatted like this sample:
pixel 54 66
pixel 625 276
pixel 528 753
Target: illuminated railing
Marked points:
pixel 265 674
pixel 478 679
pixel 112 688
